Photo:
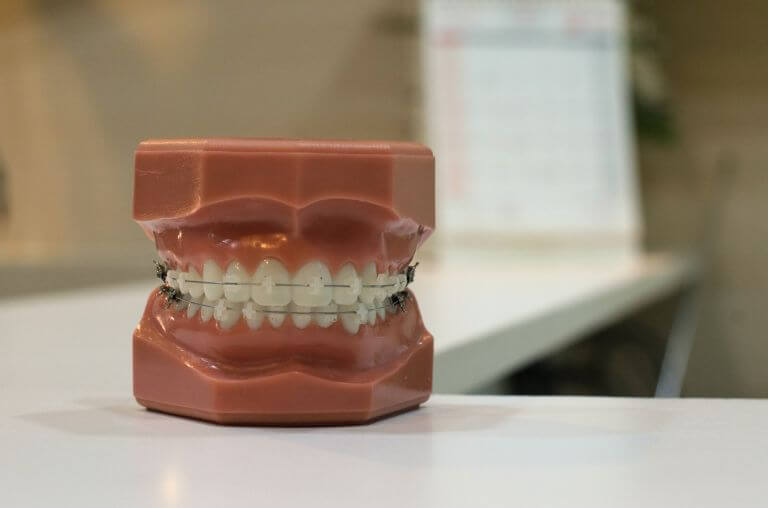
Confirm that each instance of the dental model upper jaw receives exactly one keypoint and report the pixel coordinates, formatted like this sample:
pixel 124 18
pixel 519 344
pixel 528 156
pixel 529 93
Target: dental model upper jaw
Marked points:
pixel 284 267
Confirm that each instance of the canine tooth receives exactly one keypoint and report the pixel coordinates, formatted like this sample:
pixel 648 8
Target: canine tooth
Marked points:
pixel 300 320
pixel 212 273
pixel 265 291
pixel 350 320
pixel 172 279
pixel 347 275
pixel 381 309
pixel 193 288
pixel 227 314
pixel 367 294
pixel 206 310
pixel 236 272
pixel 194 306
pixel 309 285
pixel 253 315
pixel 276 318
pixel 325 320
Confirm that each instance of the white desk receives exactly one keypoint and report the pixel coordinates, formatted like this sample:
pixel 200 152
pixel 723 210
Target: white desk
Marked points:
pixel 83 442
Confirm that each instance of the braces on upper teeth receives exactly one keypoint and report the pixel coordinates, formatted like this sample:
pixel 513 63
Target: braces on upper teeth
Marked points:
pixel 352 318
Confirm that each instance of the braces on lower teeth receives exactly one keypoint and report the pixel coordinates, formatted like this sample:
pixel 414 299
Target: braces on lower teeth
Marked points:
pixel 395 301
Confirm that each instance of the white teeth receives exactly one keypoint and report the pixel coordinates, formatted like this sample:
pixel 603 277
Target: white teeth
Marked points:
pixel 193 288
pixel 326 315
pixel 367 294
pixel 347 275
pixel 382 280
pixel 402 281
pixel 350 321
pixel 309 285
pixel 236 273
pixel 312 294
pixel 276 318
pixel 253 315
pixel 265 291
pixel 394 284
pixel 381 310
pixel 212 273
pixel 206 311
pixel 172 279
pixel 300 319
pixel 227 314
pixel 194 306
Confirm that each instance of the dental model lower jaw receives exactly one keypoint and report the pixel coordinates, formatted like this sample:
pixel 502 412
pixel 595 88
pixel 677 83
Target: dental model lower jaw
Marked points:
pixel 272 294
pixel 285 273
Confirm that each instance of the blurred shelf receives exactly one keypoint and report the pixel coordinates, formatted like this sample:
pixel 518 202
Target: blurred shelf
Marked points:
pixel 491 314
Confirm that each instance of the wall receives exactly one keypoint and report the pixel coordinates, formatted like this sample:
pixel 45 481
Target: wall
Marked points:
pixel 715 56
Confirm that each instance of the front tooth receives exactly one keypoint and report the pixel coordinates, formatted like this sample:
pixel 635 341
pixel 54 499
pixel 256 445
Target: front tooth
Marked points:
pixel 265 290
pixel 367 294
pixel 206 310
pixel 310 285
pixel 346 276
pixel 326 315
pixel 350 317
pixel 371 316
pixel 172 279
pixel 227 314
pixel 300 315
pixel 253 315
pixel 194 306
pixel 236 273
pixel 276 318
pixel 212 273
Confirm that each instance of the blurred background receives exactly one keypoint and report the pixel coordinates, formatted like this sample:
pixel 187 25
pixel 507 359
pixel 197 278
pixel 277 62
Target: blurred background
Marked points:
pixel 592 125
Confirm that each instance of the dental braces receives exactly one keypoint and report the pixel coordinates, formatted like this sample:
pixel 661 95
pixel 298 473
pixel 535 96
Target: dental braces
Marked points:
pixel 395 301
pixel 161 271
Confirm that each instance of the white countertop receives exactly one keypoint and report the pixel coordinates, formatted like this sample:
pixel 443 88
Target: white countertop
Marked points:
pixel 97 448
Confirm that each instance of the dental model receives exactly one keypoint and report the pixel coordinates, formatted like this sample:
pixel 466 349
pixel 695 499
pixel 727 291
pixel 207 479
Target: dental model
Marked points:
pixel 284 270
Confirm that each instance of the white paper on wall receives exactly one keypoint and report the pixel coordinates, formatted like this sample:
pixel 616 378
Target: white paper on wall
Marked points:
pixel 527 112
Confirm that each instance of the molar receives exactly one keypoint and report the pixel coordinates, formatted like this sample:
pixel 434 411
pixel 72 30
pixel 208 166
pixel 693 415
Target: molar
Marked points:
pixel 347 275
pixel 264 291
pixel 172 279
pixel 236 272
pixel 310 285
pixel 212 273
